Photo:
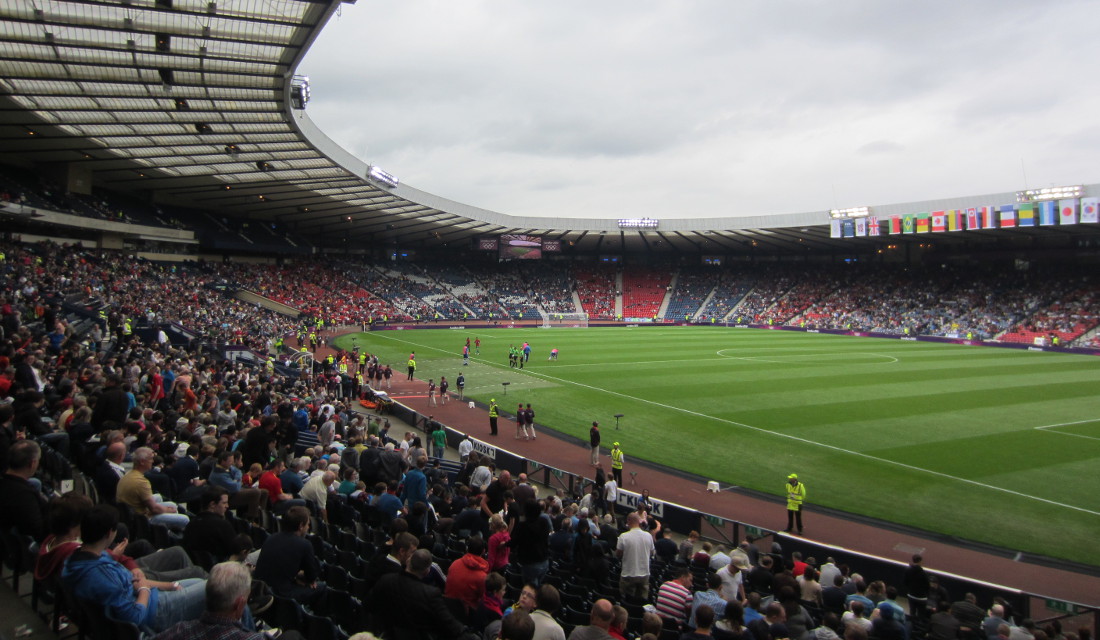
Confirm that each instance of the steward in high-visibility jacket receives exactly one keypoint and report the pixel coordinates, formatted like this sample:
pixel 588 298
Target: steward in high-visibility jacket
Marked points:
pixel 494 413
pixel 796 496
pixel 617 460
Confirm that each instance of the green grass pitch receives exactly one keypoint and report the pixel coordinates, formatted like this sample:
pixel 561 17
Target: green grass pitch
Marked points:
pixel 993 445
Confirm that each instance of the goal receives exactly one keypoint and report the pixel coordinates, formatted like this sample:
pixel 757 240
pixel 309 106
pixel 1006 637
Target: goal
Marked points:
pixel 567 320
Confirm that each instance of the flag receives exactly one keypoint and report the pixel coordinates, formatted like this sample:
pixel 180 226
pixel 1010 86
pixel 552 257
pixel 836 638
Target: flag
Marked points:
pixel 861 227
pixel 939 221
pixel 895 225
pixel 907 223
pixel 989 217
pixel 1025 214
pixel 922 223
pixel 1067 210
pixel 1047 213
pixel 973 221
pixel 848 228
pixel 1090 210
pixel 873 229
pixel 1008 216
pixel 954 220
pixel 834 228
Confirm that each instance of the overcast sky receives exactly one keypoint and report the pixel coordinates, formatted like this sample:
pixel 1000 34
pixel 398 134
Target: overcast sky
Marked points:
pixel 612 108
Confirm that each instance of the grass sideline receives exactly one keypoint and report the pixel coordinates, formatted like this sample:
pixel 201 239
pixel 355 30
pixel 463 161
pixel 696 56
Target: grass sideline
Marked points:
pixel 993 445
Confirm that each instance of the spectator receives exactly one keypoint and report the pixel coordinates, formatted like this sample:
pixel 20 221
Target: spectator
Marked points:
pixel 22 506
pixel 66 515
pixel 279 501
pixel 704 618
pixel 406 607
pixel 530 544
pixel 970 617
pixel 93 575
pixel 287 562
pixel 917 586
pixel 228 475
pixel 403 546
pixel 548 602
pixel 674 597
pixel 466 577
pixel 518 626
pixel 887 626
pixel 599 622
pixel 317 489
pixel 711 597
pixel 498 543
pixel 136 492
pixel 226 613
pixel 732 625
pixel 209 531
pixel 635 547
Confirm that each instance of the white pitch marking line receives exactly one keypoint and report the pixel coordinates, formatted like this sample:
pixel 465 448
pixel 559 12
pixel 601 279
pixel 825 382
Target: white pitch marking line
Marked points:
pixel 1052 428
pixel 852 356
pixel 788 436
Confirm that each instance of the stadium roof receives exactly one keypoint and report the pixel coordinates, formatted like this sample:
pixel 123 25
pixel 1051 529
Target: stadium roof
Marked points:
pixel 193 103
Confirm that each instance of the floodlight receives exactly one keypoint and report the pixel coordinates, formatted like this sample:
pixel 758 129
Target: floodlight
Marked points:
pixel 378 175
pixel 299 92
pixel 638 223
pixel 851 212
pixel 1049 193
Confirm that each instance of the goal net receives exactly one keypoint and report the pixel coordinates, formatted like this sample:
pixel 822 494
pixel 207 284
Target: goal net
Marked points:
pixel 567 320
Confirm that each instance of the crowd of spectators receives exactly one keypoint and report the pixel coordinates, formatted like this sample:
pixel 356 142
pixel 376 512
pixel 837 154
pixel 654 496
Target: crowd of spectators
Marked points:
pixel 550 286
pixel 730 289
pixel 38 192
pixel 691 289
pixel 174 438
pixel 595 285
pixel 644 291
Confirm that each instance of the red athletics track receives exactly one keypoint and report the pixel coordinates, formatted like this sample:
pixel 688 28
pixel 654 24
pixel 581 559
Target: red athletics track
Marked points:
pixel 831 530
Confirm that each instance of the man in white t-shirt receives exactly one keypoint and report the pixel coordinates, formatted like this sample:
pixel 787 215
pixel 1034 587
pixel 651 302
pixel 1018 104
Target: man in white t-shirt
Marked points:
pixel 635 548
pixel 611 494
pixel 733 586
pixel 464 448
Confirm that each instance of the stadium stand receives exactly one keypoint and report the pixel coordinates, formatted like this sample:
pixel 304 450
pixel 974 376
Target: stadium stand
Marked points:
pixel 183 400
pixel 644 292
pixel 596 287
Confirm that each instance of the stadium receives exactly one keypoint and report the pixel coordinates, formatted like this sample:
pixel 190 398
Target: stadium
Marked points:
pixel 928 367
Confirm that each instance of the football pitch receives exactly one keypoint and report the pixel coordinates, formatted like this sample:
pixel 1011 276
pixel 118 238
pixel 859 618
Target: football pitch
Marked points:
pixel 993 445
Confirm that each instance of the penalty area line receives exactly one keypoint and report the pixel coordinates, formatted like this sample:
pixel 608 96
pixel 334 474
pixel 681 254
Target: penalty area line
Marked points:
pixel 1053 428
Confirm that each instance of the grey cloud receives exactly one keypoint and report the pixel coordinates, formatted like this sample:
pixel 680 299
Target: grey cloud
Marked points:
pixel 879 147
pixel 561 108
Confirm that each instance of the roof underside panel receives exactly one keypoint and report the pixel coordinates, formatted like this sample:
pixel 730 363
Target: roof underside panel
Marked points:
pixel 188 100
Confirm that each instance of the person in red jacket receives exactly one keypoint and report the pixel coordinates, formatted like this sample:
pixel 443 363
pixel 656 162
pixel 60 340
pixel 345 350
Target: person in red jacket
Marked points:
pixel 466 577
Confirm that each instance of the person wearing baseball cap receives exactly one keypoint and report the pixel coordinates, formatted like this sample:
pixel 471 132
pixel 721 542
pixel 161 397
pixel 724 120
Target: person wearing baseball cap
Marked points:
pixel 796 495
pixel 494 413
pixel 617 460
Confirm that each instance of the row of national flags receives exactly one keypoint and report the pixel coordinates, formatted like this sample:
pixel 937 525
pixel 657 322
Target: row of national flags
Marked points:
pixel 1009 216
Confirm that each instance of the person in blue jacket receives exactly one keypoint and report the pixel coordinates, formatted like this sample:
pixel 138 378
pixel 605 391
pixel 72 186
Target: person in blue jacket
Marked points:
pixel 93 575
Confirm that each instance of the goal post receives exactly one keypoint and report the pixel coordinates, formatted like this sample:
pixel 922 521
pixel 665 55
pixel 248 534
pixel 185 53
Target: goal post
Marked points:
pixel 565 320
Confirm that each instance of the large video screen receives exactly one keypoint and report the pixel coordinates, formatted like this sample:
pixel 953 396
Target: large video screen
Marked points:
pixel 517 246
